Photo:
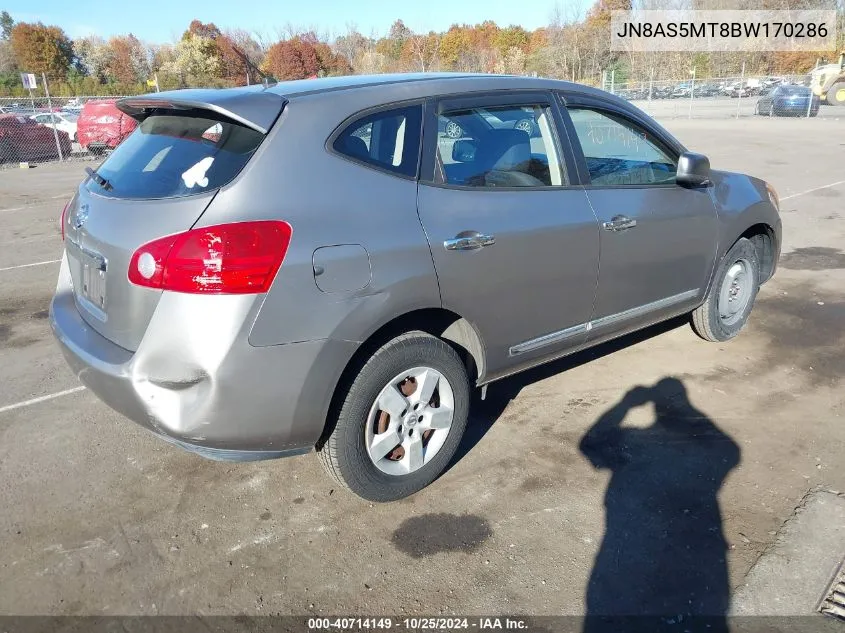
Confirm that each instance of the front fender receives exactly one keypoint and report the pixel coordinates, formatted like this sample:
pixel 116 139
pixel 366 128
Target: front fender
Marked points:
pixel 743 206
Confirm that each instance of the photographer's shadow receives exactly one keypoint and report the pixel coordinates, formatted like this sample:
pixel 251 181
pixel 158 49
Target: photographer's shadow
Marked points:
pixel 663 552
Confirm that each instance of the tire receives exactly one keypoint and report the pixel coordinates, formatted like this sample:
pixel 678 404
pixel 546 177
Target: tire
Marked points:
pixel 346 454
pixel 526 125
pixel 453 130
pixel 836 94
pixel 709 320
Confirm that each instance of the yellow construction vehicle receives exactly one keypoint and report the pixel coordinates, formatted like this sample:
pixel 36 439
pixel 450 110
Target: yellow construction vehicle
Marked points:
pixel 828 82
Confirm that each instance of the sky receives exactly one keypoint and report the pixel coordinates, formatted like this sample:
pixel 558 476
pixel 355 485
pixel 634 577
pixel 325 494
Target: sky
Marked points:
pixel 160 21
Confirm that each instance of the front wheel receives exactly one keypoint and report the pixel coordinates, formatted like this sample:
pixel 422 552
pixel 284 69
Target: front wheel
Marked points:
pixel 836 94
pixel 732 293
pixel 400 419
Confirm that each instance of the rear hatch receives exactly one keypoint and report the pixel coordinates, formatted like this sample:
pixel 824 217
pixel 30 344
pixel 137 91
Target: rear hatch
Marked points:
pixel 157 183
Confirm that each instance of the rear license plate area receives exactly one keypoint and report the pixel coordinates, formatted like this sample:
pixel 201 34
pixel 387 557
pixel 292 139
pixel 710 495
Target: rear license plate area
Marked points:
pixel 91 289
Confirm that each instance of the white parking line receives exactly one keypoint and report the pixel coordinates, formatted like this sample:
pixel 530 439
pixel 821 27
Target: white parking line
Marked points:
pixel 26 403
pixel 803 193
pixel 38 203
pixel 52 261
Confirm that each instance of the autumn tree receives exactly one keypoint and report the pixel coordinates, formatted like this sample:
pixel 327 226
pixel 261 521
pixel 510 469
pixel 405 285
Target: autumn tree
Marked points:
pixel 455 45
pixel 392 45
pixel 93 56
pixel 42 49
pixel 353 45
pixel 194 61
pixel 240 57
pixel 331 63
pixel 510 38
pixel 292 59
pixel 128 62
pixel 199 29
pixel 420 52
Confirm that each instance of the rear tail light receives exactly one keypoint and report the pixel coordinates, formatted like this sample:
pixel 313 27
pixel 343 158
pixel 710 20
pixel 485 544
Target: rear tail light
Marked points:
pixel 238 258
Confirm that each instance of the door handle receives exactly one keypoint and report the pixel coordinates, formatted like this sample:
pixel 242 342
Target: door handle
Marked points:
pixel 619 223
pixel 469 241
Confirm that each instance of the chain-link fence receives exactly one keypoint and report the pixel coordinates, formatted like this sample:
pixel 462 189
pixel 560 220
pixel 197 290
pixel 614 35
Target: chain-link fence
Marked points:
pixel 724 97
pixel 38 129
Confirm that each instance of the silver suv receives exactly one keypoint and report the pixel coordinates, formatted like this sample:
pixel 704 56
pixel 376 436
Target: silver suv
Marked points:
pixel 262 271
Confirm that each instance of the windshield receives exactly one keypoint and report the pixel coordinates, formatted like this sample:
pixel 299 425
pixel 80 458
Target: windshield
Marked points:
pixel 174 156
pixel 793 90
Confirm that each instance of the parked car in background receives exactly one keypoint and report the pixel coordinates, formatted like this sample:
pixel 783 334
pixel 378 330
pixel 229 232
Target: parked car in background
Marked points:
pixel 63 121
pixel 681 91
pixel 788 100
pixel 102 126
pixel 216 291
pixel 73 105
pixel 707 90
pixel 22 139
pixel 662 92
pixel 737 90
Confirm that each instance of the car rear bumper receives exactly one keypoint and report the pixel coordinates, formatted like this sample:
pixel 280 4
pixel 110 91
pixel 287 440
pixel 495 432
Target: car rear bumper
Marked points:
pixel 249 403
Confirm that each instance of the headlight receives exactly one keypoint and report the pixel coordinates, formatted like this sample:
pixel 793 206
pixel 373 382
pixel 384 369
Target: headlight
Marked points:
pixel 773 196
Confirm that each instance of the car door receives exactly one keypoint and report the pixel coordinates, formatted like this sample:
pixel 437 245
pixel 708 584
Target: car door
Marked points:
pixel 514 242
pixel 658 239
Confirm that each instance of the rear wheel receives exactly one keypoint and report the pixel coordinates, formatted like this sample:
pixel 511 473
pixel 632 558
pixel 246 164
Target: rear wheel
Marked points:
pixel 732 293
pixel 836 94
pixel 400 420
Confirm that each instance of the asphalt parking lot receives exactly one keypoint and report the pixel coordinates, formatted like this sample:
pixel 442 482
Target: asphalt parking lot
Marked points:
pixel 100 517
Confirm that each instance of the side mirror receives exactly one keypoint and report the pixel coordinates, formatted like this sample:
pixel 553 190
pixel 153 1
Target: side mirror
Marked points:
pixel 463 151
pixel 693 170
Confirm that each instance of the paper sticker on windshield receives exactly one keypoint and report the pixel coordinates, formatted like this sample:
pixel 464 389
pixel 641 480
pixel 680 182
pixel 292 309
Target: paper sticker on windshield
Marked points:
pixel 196 174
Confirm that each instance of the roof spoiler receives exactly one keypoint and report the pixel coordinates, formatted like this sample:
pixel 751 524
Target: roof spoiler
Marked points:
pixel 256 108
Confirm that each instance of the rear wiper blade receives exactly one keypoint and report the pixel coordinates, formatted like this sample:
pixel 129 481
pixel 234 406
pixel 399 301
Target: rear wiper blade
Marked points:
pixel 105 184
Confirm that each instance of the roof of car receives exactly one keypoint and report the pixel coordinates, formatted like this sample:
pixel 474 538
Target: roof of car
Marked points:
pixel 258 105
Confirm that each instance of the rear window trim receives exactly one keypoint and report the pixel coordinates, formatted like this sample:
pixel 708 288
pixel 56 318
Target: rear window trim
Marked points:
pixel 362 114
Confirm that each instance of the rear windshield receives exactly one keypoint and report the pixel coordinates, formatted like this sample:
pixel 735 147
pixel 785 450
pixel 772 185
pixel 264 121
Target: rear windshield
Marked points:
pixel 175 156
pixel 793 90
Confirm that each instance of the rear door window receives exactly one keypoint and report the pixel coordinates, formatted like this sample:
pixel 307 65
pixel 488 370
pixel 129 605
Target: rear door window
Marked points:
pixel 498 146
pixel 389 140
pixel 171 156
